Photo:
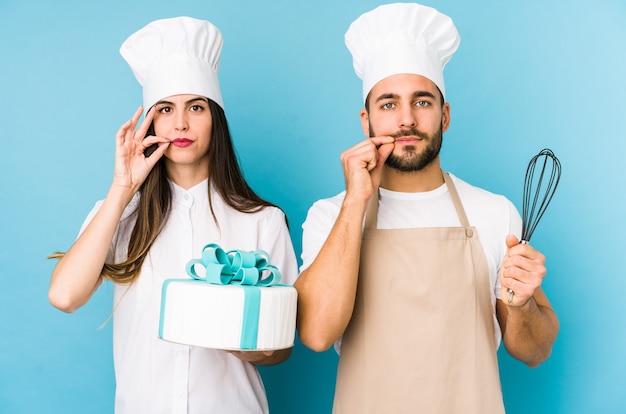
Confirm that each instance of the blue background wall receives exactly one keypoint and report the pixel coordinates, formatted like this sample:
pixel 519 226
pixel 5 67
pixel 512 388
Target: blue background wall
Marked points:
pixel 528 75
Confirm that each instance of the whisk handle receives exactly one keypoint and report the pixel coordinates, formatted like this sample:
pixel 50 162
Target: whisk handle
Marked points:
pixel 510 291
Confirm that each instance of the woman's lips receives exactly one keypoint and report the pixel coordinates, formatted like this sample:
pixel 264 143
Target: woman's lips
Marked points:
pixel 182 142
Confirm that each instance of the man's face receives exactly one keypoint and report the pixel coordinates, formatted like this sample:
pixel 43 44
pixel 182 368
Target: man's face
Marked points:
pixel 408 108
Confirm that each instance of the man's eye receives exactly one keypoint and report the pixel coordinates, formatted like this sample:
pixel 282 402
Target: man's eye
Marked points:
pixel 387 105
pixel 422 103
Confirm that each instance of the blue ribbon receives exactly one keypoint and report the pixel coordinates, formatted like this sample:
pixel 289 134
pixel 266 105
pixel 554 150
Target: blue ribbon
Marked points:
pixel 251 270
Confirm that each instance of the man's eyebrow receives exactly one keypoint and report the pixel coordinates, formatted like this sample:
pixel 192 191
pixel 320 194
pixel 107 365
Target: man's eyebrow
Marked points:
pixel 387 96
pixel 416 94
pixel 422 94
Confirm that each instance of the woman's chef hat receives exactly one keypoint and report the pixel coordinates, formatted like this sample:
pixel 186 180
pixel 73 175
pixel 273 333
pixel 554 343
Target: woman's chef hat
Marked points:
pixel 175 56
pixel 401 38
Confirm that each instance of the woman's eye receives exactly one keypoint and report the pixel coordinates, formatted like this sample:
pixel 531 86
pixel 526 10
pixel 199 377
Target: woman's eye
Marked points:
pixel 164 109
pixel 196 108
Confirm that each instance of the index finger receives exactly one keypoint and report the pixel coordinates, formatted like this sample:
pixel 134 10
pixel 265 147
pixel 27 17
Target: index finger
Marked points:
pixel 143 128
pixel 382 140
pixel 136 115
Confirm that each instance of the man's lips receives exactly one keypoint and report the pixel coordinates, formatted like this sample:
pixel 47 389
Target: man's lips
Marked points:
pixel 407 139
pixel 182 142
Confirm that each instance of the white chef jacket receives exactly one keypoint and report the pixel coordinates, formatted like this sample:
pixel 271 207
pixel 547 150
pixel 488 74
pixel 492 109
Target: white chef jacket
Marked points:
pixel 155 376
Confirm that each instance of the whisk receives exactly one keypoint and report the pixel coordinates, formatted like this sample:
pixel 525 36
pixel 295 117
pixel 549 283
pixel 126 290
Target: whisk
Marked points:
pixel 537 193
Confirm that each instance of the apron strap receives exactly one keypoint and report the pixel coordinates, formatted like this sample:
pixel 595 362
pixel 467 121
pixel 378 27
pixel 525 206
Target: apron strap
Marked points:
pixel 371 213
pixel 456 200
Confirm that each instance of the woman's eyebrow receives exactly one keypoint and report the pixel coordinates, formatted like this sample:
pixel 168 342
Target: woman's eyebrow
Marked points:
pixel 198 98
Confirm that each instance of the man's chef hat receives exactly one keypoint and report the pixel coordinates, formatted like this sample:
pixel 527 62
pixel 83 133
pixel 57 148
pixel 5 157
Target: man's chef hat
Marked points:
pixel 175 56
pixel 401 38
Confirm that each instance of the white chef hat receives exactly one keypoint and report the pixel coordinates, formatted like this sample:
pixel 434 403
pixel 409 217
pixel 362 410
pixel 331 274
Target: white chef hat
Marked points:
pixel 180 55
pixel 401 38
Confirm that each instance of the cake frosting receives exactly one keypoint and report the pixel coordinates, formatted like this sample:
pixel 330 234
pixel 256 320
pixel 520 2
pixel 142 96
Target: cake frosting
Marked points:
pixel 237 304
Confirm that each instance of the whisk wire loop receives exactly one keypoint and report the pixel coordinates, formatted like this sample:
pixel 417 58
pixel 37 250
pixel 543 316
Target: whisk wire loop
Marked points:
pixel 536 195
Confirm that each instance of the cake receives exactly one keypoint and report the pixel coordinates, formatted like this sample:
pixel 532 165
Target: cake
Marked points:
pixel 238 304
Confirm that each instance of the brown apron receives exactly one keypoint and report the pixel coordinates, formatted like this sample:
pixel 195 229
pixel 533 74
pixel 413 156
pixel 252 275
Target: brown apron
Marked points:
pixel 421 337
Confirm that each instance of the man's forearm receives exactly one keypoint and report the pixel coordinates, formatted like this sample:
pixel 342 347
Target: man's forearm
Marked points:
pixel 531 330
pixel 327 289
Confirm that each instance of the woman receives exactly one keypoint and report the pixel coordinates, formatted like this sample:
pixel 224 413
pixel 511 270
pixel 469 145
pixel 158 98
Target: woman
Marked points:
pixel 176 186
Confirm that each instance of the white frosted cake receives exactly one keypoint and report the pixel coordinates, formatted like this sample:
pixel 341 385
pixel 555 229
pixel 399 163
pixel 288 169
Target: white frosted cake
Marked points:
pixel 211 315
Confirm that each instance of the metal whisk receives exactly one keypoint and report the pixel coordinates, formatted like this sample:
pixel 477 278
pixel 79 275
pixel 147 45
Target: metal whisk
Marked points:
pixel 537 193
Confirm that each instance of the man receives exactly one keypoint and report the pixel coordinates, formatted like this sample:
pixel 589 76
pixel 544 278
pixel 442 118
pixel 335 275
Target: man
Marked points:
pixel 415 274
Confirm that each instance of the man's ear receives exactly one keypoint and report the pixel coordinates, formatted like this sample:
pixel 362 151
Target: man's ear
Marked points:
pixel 445 117
pixel 365 122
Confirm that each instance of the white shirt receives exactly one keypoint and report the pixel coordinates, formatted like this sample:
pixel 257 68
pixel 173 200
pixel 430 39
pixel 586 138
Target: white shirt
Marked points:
pixel 493 216
pixel 155 376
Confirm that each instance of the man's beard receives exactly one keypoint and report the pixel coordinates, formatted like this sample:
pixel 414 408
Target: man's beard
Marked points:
pixel 410 160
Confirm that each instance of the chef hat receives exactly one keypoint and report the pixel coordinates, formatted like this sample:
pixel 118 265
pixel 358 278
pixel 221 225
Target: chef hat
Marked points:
pixel 401 38
pixel 175 56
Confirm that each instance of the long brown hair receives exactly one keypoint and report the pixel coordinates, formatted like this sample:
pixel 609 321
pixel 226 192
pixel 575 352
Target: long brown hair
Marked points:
pixel 156 197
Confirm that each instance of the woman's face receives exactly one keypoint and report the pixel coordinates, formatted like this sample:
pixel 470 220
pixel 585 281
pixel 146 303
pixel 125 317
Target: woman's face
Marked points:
pixel 186 121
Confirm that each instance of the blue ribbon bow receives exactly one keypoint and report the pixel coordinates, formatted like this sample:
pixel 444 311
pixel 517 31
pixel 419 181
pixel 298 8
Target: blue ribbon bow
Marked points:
pixel 251 270
pixel 234 267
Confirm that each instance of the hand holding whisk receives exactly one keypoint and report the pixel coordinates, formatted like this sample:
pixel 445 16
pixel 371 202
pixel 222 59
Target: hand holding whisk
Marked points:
pixel 537 193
